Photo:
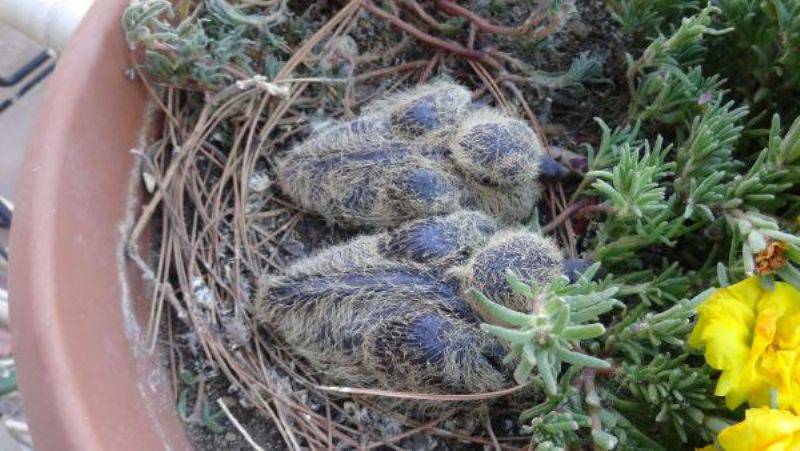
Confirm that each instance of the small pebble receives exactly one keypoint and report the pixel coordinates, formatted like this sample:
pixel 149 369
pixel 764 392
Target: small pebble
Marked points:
pixel 259 182
pixel 579 29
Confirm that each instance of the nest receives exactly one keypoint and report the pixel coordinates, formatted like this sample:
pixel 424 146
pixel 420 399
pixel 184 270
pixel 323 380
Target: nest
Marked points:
pixel 219 221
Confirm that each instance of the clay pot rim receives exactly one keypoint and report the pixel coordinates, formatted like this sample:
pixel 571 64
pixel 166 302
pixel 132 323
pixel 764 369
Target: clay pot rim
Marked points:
pixel 85 381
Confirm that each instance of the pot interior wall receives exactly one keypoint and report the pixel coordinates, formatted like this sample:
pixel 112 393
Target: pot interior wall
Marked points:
pixel 87 381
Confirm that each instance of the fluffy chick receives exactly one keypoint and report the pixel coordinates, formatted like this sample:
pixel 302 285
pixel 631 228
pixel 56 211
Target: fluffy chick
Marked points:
pixel 423 110
pixel 389 309
pixel 416 154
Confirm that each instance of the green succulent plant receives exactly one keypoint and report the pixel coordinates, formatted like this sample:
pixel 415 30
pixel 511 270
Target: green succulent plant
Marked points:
pixel 550 334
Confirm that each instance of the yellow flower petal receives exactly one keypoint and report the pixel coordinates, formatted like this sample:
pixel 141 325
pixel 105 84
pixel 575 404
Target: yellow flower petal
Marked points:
pixel 753 337
pixel 762 429
pixel 784 300
pixel 747 291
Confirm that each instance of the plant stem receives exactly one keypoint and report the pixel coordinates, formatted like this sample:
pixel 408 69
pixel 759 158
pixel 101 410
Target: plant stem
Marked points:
pixel 535 18
pixel 448 45
pixel 566 213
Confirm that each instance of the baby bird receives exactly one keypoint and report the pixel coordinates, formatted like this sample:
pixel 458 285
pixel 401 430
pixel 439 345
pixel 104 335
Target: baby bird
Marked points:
pixel 390 309
pixel 416 154
pixel 423 110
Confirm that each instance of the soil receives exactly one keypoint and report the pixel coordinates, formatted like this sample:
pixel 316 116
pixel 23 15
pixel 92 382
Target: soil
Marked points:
pixel 596 32
pixel 261 430
pixel 567 116
pixel 222 434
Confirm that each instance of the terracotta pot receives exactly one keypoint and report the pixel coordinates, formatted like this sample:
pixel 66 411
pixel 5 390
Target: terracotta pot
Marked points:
pixel 87 382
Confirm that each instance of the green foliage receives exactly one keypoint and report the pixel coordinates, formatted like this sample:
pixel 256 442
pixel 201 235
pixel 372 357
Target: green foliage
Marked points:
pixel 583 69
pixel 687 191
pixel 632 185
pixel 765 40
pixel 671 95
pixel 679 395
pixel 708 149
pixel 707 179
pixel 551 334
pixel 665 89
pixel 680 46
pixel 201 413
pixel 758 55
pixel 201 54
pixel 611 388
pixel 710 189
pixel 651 15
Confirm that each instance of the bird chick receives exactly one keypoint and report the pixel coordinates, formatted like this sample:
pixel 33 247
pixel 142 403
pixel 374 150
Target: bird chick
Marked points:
pixel 420 153
pixel 390 309
pixel 531 257
pixel 428 108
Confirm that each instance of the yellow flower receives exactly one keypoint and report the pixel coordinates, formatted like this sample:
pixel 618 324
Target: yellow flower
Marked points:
pixel 753 336
pixel 763 429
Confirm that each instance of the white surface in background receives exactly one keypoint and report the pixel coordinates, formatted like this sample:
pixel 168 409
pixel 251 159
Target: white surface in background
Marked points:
pixel 16 123
pixel 49 22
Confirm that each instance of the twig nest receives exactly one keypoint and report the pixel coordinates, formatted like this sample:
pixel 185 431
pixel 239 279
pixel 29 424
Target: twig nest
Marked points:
pixel 413 155
pixel 533 258
pixel 343 55
pixel 496 149
pixel 425 109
